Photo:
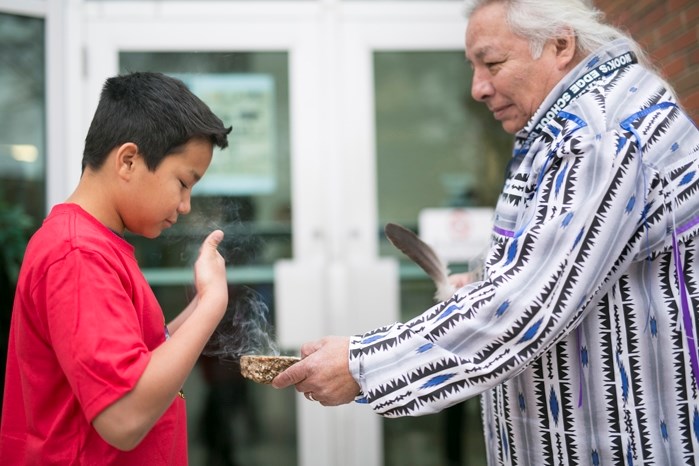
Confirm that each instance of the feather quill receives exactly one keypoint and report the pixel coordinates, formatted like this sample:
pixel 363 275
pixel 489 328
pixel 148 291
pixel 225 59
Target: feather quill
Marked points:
pixel 423 255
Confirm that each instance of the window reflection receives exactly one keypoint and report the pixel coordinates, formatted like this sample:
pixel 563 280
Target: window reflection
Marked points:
pixel 22 112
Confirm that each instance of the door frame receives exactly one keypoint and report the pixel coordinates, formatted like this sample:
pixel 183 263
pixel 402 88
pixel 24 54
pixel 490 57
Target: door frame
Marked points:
pixel 60 69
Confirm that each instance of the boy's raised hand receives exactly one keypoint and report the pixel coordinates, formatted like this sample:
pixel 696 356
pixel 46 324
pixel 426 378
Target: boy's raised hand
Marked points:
pixel 125 422
pixel 210 269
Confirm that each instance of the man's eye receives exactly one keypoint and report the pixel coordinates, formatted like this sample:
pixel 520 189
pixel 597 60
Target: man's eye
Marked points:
pixel 182 183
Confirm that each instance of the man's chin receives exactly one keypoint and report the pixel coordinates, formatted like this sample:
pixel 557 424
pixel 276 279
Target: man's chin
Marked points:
pixel 511 126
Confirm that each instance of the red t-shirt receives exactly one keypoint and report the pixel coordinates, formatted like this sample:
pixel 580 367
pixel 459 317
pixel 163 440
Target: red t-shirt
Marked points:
pixel 84 324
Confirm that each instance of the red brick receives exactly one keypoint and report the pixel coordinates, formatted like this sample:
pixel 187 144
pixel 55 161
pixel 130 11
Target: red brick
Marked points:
pixel 620 19
pixel 650 18
pixel 673 66
pixel 686 82
pixel 693 59
pixel 692 99
pixel 675 5
pixel 612 8
pixel 641 23
pixel 691 103
pixel 641 8
pixel 691 15
pixel 661 52
pixel 679 44
pixel 669 31
pixel 686 39
pixel 672 24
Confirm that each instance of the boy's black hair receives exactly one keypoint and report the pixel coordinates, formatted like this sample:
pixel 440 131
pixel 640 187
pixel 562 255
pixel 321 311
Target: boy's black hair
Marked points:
pixel 156 112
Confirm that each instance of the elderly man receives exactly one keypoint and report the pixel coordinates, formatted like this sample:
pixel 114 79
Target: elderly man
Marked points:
pixel 580 335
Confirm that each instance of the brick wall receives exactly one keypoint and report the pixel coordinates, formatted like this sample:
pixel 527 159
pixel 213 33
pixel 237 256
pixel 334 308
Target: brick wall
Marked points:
pixel 669 32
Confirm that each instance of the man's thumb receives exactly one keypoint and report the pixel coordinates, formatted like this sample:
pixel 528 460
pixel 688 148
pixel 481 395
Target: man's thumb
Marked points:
pixel 291 376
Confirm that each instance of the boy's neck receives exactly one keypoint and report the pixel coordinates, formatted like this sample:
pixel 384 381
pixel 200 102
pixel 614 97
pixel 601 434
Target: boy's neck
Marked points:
pixel 93 195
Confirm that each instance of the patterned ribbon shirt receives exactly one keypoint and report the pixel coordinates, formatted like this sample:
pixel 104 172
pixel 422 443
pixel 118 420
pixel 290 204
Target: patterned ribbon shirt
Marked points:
pixel 580 336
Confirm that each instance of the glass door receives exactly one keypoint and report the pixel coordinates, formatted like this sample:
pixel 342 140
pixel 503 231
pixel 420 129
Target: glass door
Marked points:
pixel 247 194
pixel 346 114
pixel 248 73
pixel 430 147
pixel 435 153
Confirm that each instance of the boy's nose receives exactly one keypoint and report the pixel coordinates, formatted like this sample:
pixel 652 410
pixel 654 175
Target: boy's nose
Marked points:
pixel 185 205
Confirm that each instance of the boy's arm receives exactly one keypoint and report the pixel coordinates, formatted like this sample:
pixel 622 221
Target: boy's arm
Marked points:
pixel 175 323
pixel 124 423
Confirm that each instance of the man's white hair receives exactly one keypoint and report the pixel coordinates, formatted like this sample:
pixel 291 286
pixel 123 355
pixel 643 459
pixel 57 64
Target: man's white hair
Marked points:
pixel 539 21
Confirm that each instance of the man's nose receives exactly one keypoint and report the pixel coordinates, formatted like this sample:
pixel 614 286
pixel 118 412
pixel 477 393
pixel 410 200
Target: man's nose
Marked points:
pixel 481 87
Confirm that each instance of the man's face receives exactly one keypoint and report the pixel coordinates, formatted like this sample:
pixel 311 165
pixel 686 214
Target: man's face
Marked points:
pixel 505 76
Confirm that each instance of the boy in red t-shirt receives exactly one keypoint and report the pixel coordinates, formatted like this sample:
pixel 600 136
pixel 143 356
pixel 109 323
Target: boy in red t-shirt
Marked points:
pixel 93 373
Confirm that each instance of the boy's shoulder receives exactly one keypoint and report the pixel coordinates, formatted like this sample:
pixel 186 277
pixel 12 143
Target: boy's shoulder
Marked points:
pixel 71 221
pixel 69 228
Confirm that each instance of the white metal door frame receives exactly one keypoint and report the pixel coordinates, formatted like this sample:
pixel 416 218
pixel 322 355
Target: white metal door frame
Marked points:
pixel 60 69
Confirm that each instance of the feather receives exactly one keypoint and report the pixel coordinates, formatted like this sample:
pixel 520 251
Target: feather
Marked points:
pixel 423 255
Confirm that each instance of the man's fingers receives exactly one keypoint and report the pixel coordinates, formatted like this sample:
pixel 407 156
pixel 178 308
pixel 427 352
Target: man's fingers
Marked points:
pixel 291 376
pixel 310 348
pixel 459 280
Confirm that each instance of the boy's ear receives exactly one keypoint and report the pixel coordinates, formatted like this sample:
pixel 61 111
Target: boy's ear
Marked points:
pixel 126 156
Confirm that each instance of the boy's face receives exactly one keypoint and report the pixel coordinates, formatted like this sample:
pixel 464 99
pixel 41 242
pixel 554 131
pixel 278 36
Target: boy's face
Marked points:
pixel 157 198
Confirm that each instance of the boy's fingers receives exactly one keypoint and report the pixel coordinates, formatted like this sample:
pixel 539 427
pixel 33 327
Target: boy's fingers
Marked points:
pixel 214 238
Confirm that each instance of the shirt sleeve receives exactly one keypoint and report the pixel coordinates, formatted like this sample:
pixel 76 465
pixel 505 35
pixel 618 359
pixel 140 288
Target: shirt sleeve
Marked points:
pixel 579 214
pixel 94 329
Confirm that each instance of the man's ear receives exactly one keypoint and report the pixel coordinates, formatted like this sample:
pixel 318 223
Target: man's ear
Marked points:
pixel 125 160
pixel 566 49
